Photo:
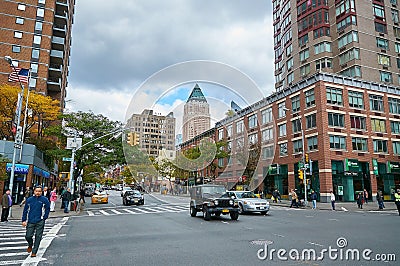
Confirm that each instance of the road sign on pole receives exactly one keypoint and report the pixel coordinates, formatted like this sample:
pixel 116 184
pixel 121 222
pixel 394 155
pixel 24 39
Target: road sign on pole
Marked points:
pixel 66 159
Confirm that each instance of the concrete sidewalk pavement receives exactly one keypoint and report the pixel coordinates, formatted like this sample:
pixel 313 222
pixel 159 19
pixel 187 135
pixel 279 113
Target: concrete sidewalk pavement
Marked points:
pixel 58 212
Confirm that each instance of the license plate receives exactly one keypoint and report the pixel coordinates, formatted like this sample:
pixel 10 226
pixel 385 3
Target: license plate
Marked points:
pixel 136 200
pixel 225 210
pixel 261 208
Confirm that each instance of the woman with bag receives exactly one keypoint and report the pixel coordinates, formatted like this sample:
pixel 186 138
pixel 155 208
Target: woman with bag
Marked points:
pixel 53 199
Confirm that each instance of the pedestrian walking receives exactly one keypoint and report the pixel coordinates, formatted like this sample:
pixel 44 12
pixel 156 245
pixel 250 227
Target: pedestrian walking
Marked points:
pixel 6 203
pixel 313 197
pixel 66 198
pixel 274 196
pixel 82 196
pixel 379 199
pixel 28 193
pixel 33 218
pixel 46 193
pixel 397 200
pixel 360 200
pixel 365 196
pixel 295 199
pixel 333 199
pixel 53 199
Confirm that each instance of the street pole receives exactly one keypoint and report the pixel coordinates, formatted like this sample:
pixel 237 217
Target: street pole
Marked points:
pixel 17 139
pixel 304 165
pixel 71 169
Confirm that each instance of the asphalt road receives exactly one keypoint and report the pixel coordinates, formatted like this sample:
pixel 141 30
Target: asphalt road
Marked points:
pixel 175 238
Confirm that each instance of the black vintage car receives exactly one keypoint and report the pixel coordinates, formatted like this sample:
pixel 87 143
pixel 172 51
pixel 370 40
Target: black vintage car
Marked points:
pixel 132 197
pixel 212 199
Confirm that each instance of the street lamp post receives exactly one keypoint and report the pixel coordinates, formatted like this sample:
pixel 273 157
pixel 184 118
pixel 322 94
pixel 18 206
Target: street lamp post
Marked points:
pixel 18 134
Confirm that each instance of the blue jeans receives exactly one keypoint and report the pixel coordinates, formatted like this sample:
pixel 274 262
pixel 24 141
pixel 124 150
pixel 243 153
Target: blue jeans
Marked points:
pixel 333 204
pixel 66 206
pixel 314 204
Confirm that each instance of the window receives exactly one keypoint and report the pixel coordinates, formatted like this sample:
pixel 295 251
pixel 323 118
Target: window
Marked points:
pixel 267 135
pixel 395 16
pixel 37 39
pixel 266 116
pixel 17 34
pixel 323 63
pixel 268 152
pixel 239 126
pixel 395 126
pixel 297 146
pixel 394 105
pixel 305 70
pixel 296 125
pixel 334 96
pixel 323 31
pixel 352 36
pixel 19 21
pixel 16 49
pixel 42 1
pixel 337 142
pixel 311 121
pixel 253 139
pixel 359 144
pixel 304 54
pixel 397 47
pixel 32 82
pixel 335 120
pixel 289 50
pixel 396 32
pixel 290 77
pixel 303 40
pixel 356 99
pixel 379 11
pixel 386 76
pixel 349 55
pixel 322 47
pixel 229 131
pixel 376 102
pixel 382 43
pixel 295 103
pixel 282 130
pixel 281 110
pixel 312 143
pixel 34 68
pixel 289 63
pixel 21 7
pixel 357 122
pixel 220 134
pixel 378 125
pixel 345 7
pixel 383 60
pixel 349 20
pixel 35 53
pixel 252 121
pixel 310 98
pixel 398 62
pixel 396 147
pixel 393 2
pixel 283 149
pixel 379 27
pixel 38 26
pixel 380 145
pixel 354 71
pixel 220 162
pixel 40 12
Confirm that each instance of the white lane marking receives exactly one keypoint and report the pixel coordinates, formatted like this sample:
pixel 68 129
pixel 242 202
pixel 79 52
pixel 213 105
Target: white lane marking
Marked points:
pixel 11 262
pixel 115 211
pixel 129 211
pixel 344 209
pixel 170 209
pixel 162 209
pixel 90 213
pixel 278 235
pixel 149 210
pixel 13 254
pixel 13 248
pixel 11 238
pixel 138 209
pixel 10 243
pixel 44 244
pixel 333 219
pixel 104 212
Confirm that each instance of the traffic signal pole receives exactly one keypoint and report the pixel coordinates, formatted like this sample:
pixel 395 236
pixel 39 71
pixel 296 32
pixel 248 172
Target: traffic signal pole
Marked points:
pixel 304 165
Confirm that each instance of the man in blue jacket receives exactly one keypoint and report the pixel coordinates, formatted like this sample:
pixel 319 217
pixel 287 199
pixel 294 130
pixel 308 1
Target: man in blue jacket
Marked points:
pixel 36 211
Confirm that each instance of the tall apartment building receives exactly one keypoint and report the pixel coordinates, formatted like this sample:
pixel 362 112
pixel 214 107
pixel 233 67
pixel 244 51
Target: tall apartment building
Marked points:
pixel 359 39
pixel 37 35
pixel 156 132
pixel 196 115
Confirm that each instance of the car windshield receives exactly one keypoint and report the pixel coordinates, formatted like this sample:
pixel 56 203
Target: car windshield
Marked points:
pixel 219 191
pixel 133 192
pixel 246 195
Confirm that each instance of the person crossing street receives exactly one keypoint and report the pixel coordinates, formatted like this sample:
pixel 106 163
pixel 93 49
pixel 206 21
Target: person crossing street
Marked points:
pixel 397 200
pixel 33 218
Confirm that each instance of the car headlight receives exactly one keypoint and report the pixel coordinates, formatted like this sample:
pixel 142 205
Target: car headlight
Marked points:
pixel 216 202
pixel 231 202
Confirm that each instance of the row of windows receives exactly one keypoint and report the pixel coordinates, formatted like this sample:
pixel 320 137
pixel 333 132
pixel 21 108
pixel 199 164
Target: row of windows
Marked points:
pixel 339 143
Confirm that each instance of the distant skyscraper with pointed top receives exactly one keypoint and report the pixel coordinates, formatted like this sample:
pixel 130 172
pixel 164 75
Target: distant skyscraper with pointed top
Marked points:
pixel 196 115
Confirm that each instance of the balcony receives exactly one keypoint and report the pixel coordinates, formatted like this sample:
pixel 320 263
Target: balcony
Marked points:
pixel 56 57
pixel 61 18
pixel 59 30
pixel 55 70
pixel 58 43
pixel 62 5
pixel 54 84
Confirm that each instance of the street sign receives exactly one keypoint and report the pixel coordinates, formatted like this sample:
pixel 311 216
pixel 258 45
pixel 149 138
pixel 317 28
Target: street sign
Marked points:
pixel 65 159
pixel 74 143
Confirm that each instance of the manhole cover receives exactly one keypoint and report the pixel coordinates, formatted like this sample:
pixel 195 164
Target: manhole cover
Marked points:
pixel 261 242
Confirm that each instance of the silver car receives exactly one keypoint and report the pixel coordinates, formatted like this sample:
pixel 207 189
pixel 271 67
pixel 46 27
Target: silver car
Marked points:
pixel 249 202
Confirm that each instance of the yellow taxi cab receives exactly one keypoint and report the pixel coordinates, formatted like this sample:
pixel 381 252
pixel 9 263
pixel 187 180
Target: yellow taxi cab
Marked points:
pixel 99 197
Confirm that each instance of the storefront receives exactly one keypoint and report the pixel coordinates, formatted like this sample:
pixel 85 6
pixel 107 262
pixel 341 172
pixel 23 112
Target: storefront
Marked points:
pixel 388 179
pixel 276 177
pixel 20 176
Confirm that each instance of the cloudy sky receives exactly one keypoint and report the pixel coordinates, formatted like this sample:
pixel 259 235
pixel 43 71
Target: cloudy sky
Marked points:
pixel 123 54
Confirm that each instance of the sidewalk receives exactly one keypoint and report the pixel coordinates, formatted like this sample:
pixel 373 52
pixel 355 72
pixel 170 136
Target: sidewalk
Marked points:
pixel 58 212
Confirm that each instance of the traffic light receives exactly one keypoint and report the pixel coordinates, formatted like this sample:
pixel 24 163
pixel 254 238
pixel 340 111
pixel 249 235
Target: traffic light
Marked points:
pixel 135 139
pixel 300 172
pixel 306 158
pixel 130 138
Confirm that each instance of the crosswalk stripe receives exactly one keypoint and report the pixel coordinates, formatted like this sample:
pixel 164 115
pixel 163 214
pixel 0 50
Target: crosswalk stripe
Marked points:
pixel 12 243
pixel 12 248
pixel 129 211
pixel 171 209
pixel 11 238
pixel 139 209
pixel 150 209
pixel 115 211
pixel 14 254
pixel 104 212
pixel 90 213
pixel 162 209
pixel 12 262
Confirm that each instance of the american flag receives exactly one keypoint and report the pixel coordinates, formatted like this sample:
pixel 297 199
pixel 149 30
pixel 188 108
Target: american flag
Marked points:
pixel 21 73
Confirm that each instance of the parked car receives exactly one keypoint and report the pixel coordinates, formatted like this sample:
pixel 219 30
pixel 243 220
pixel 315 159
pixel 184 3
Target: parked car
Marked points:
pixel 249 202
pixel 99 197
pixel 212 199
pixel 133 197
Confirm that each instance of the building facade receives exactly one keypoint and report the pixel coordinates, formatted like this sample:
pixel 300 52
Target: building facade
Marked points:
pixel 196 115
pixel 156 132
pixel 37 35
pixel 353 38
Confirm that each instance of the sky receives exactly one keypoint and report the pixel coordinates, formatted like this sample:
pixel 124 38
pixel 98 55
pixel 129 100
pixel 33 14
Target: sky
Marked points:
pixel 130 55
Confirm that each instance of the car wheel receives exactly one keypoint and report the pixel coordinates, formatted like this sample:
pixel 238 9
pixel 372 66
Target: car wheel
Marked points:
pixel 234 215
pixel 241 210
pixel 206 214
pixel 193 211
pixel 264 213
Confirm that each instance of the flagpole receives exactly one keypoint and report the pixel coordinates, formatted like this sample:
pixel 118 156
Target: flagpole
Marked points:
pixel 25 116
